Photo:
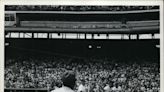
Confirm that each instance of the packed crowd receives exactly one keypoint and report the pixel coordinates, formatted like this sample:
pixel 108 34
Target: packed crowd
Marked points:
pixel 75 25
pixel 44 72
pixel 76 8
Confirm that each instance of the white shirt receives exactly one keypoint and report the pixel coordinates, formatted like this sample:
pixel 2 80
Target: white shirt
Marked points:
pixel 82 88
pixel 107 88
pixel 63 89
pixel 119 88
pixel 114 88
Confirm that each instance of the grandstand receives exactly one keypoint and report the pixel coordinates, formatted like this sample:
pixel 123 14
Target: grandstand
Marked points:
pixel 115 45
pixel 76 8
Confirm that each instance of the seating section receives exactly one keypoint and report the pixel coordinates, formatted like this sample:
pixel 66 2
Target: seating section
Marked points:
pixel 138 75
pixel 143 23
pixel 76 8
pixel 89 25
pixel 71 25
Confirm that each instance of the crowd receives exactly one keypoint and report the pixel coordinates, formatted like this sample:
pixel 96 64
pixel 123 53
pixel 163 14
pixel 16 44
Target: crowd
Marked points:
pixel 76 8
pixel 75 25
pixel 44 72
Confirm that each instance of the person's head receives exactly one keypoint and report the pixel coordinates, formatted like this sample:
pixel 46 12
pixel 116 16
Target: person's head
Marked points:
pixel 58 84
pixel 83 82
pixel 69 79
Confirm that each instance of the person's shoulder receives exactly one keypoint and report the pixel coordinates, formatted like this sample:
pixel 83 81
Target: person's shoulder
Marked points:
pixel 71 91
pixel 65 89
pixel 106 87
pixel 56 90
pixel 80 85
pixel 53 90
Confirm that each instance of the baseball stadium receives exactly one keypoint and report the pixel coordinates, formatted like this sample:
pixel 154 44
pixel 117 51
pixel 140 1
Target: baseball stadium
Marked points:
pixel 109 48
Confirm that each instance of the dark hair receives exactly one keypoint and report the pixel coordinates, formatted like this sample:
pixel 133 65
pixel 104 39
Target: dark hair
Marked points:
pixel 69 79
pixel 58 84
pixel 83 81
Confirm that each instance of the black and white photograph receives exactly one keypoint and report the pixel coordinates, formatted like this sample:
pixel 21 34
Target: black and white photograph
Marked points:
pixel 82 48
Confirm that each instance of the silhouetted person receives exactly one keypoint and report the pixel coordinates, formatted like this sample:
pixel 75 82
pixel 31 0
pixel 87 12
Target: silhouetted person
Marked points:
pixel 68 80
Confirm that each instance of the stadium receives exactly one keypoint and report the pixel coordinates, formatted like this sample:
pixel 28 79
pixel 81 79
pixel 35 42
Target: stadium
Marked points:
pixel 114 45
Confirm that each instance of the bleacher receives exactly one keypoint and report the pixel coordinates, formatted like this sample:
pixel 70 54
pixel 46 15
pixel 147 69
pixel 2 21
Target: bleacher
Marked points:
pixel 70 25
pixel 76 8
pixel 89 25
pixel 143 23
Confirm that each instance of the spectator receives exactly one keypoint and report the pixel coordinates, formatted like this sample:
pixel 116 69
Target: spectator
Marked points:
pixel 68 80
pixel 33 72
